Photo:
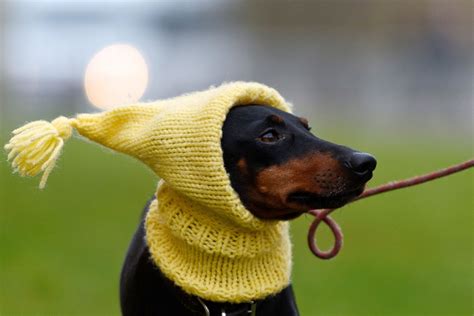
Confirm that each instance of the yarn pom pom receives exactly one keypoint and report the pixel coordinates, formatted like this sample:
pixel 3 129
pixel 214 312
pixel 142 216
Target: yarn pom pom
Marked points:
pixel 36 146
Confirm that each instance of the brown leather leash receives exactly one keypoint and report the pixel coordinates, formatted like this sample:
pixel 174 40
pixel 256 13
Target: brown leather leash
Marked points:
pixel 322 215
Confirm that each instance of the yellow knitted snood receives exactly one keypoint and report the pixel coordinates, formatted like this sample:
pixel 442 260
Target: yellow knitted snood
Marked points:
pixel 199 233
pixel 213 258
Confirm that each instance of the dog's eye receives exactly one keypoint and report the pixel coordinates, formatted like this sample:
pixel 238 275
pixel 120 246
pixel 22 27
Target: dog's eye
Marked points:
pixel 270 137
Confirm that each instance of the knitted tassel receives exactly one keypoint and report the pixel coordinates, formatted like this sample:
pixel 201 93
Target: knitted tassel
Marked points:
pixel 36 146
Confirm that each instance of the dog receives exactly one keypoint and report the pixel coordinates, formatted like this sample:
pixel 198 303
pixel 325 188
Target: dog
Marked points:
pixel 280 170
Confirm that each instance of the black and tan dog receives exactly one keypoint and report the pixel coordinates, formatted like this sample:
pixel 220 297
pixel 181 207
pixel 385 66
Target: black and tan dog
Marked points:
pixel 280 170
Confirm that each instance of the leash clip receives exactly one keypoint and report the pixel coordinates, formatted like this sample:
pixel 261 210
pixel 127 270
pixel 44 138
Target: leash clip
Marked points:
pixel 204 306
pixel 252 311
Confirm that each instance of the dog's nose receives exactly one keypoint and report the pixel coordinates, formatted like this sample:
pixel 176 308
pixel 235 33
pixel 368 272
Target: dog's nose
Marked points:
pixel 361 163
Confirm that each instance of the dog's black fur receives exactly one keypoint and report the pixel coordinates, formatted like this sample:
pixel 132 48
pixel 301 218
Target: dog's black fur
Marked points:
pixel 280 170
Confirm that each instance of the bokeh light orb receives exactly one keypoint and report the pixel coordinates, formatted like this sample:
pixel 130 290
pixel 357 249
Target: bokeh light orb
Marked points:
pixel 116 75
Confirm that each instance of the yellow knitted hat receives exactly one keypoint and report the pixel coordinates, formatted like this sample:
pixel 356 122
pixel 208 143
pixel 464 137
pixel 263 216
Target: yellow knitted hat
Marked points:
pixel 179 139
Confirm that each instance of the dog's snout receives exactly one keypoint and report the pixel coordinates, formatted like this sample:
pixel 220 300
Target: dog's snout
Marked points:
pixel 361 163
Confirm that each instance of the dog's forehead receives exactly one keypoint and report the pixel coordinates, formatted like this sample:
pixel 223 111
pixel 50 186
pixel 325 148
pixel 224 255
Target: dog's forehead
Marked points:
pixel 261 112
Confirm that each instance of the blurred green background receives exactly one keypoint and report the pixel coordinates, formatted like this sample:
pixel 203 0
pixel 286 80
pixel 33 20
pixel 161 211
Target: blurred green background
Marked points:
pixel 405 253
pixel 393 78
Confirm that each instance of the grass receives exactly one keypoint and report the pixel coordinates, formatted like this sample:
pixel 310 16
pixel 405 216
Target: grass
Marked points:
pixel 405 253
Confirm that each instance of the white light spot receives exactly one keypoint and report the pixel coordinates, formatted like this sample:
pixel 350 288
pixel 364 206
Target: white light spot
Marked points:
pixel 116 75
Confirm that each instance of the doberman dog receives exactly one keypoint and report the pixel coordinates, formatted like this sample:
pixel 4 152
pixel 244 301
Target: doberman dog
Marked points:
pixel 280 170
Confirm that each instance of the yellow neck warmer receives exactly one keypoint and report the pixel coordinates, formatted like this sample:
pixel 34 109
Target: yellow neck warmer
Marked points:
pixel 211 257
pixel 198 232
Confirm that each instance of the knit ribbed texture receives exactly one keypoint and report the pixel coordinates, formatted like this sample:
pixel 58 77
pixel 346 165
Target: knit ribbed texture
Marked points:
pixel 180 140
pixel 209 256
pixel 199 233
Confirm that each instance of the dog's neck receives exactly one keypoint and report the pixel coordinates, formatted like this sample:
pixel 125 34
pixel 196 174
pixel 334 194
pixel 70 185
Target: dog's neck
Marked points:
pixel 210 256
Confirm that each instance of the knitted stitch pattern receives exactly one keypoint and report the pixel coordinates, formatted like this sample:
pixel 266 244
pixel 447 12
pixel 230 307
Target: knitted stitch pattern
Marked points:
pixel 209 256
pixel 180 139
pixel 199 233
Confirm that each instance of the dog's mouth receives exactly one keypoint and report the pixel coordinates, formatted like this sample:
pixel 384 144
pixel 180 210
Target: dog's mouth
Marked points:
pixel 317 201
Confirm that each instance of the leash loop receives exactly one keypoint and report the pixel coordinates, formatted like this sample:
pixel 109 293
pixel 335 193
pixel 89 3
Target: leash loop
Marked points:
pixel 322 215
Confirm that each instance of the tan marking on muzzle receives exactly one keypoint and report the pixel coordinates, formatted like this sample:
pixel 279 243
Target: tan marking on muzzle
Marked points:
pixel 316 173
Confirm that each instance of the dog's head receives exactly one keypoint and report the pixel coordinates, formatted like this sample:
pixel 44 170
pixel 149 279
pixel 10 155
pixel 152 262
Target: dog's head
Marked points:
pixel 280 170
